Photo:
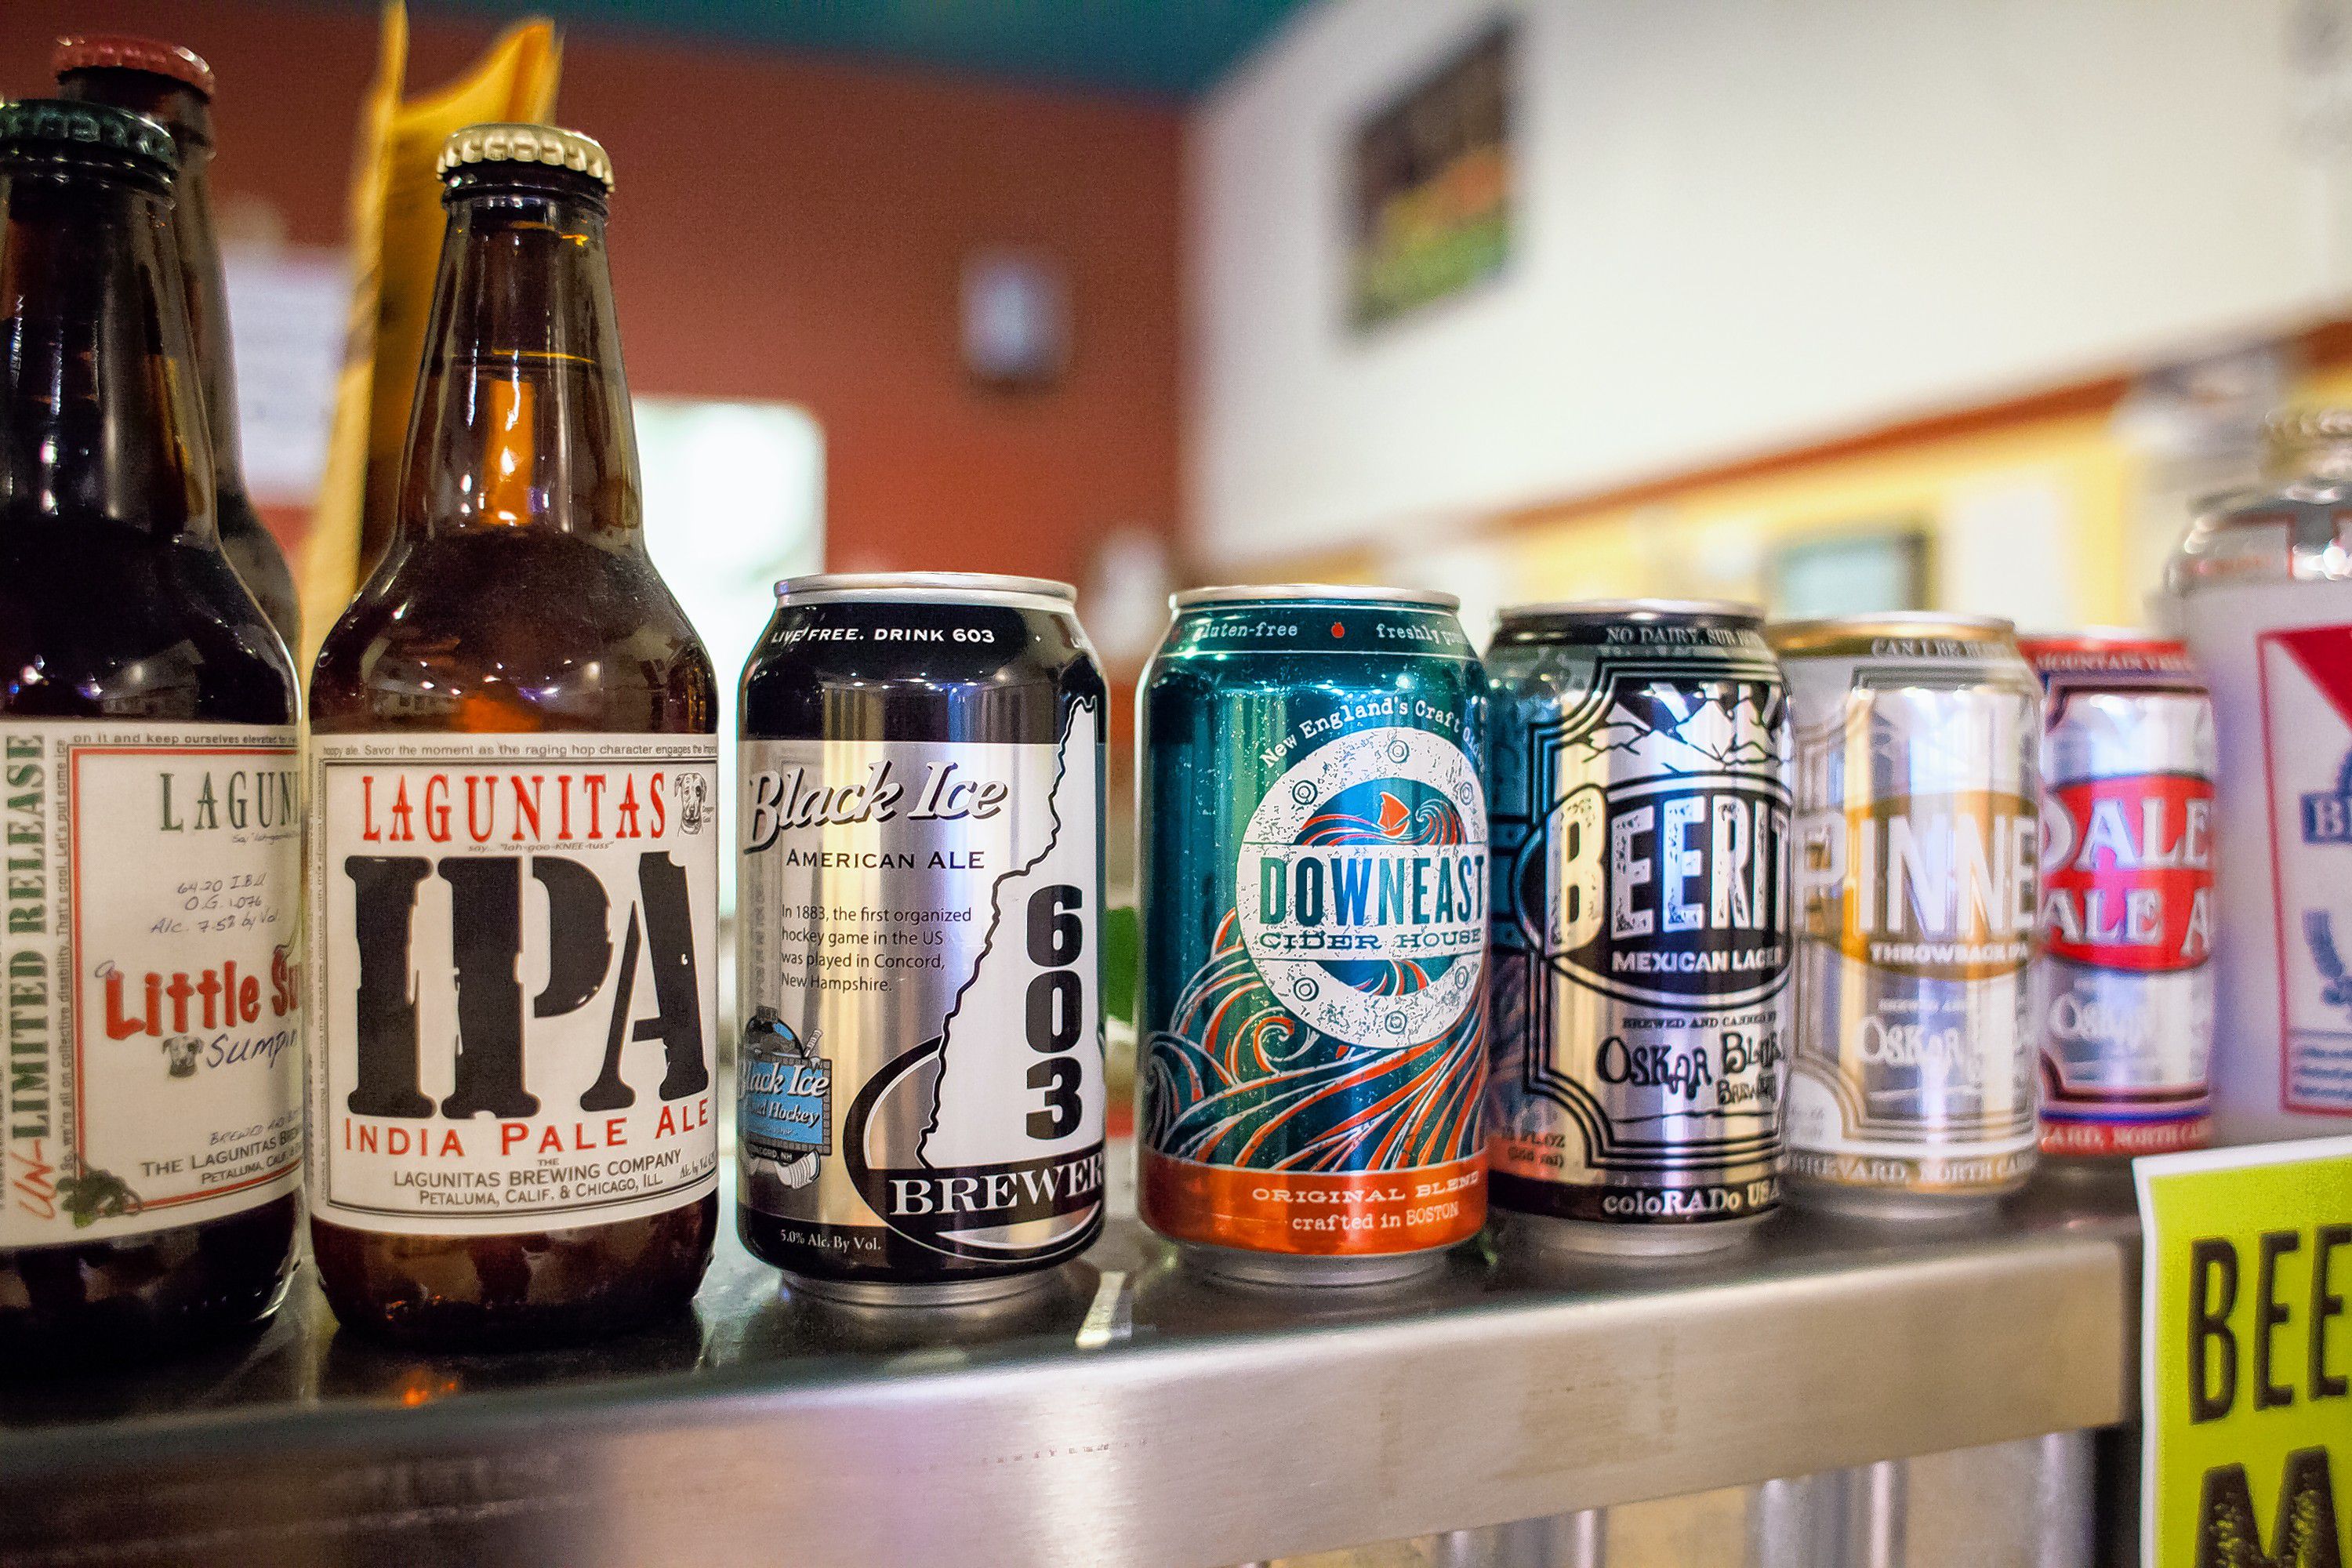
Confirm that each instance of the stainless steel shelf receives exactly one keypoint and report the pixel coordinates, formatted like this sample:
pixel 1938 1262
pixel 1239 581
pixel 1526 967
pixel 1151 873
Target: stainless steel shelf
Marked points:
pixel 1128 1413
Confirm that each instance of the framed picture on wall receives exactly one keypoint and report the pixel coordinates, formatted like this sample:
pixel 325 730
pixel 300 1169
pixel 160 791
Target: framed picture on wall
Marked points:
pixel 1854 571
pixel 1431 185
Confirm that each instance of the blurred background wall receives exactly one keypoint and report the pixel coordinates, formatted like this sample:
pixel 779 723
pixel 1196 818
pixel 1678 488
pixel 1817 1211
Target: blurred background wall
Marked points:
pixel 1828 302
pixel 2001 275
pixel 786 227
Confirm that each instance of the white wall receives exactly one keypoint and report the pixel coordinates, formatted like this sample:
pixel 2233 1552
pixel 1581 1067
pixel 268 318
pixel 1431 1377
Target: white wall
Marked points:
pixel 1741 224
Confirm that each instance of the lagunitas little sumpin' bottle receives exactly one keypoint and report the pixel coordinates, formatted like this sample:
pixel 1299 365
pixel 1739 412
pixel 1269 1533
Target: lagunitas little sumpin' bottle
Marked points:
pixel 153 1133
pixel 2262 587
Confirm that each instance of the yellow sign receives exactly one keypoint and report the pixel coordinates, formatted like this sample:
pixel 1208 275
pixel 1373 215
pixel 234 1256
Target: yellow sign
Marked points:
pixel 2246 1357
pixel 395 225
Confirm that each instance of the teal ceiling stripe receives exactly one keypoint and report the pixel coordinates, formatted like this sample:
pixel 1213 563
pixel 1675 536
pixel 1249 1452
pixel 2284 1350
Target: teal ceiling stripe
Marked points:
pixel 1168 48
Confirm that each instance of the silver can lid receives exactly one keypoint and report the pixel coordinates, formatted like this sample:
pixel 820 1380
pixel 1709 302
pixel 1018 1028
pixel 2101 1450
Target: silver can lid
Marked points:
pixel 1309 592
pixel 1795 639
pixel 939 588
pixel 1618 609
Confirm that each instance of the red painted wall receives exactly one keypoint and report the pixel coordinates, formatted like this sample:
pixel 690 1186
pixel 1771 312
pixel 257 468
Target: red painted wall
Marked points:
pixel 788 227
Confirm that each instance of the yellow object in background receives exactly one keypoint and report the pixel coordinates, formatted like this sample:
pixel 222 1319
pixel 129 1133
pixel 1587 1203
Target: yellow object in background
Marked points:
pixel 2246 1356
pixel 395 227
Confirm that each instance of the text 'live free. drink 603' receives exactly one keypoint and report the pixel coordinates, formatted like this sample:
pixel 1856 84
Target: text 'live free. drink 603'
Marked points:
pixel 1313 860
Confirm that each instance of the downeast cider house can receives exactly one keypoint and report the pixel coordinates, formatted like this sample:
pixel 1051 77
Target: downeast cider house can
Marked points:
pixel 1637 763
pixel 920 1096
pixel 1312 858
pixel 1916 854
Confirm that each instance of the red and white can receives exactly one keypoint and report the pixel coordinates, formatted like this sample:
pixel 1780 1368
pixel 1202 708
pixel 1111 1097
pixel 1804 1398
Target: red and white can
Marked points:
pixel 2123 992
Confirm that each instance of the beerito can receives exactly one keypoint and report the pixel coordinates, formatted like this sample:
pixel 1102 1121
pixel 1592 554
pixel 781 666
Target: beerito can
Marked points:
pixel 1637 762
pixel 1312 859
pixel 1916 854
pixel 920 1094
pixel 2123 986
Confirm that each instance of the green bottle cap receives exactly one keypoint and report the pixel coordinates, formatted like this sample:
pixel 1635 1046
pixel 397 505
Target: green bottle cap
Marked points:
pixel 54 127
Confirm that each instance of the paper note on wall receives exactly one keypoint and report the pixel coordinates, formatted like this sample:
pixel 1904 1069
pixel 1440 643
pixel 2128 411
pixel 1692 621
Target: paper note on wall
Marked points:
pixel 286 312
pixel 2006 549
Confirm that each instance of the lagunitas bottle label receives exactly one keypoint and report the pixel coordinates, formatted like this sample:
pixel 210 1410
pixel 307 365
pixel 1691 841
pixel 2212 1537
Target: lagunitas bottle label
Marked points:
pixel 921 1075
pixel 148 927
pixel 514 978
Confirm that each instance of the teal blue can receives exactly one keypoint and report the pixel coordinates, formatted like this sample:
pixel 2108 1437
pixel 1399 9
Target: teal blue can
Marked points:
pixel 1312 858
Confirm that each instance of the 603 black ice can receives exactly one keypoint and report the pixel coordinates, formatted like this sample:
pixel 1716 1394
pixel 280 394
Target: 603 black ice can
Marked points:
pixel 1637 763
pixel 920 1094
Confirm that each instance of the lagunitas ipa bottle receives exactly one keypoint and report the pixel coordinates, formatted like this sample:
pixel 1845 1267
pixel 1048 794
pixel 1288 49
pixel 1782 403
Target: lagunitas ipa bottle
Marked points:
pixel 1312 1019
pixel 1915 853
pixel 174 86
pixel 151 1112
pixel 514 844
pixel 2123 986
pixel 920 1111
pixel 2262 587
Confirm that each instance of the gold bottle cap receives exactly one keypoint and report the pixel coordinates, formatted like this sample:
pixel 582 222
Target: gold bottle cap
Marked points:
pixel 545 144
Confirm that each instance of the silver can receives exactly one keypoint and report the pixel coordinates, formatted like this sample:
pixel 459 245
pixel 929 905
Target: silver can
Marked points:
pixel 2123 986
pixel 920 1096
pixel 1637 768
pixel 1916 874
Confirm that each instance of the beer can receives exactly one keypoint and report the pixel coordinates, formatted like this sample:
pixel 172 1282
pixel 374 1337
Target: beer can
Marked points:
pixel 1637 765
pixel 2261 590
pixel 2123 985
pixel 920 1094
pixel 1915 862
pixel 1312 858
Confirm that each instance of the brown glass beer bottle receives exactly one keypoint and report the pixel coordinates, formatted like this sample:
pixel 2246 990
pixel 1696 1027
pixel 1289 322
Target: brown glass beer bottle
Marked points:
pixel 514 849
pixel 174 86
pixel 150 1122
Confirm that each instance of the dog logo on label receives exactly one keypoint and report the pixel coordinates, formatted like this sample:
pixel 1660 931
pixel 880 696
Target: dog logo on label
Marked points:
pixel 179 1054
pixel 693 792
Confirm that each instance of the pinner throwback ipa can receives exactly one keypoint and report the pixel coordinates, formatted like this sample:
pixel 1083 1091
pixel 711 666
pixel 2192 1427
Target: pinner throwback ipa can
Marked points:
pixel 1313 867
pixel 920 1085
pixel 2124 987
pixel 1637 764
pixel 1916 851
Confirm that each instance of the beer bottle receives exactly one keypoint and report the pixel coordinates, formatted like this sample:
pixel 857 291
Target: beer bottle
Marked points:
pixel 174 86
pixel 150 1122
pixel 514 851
